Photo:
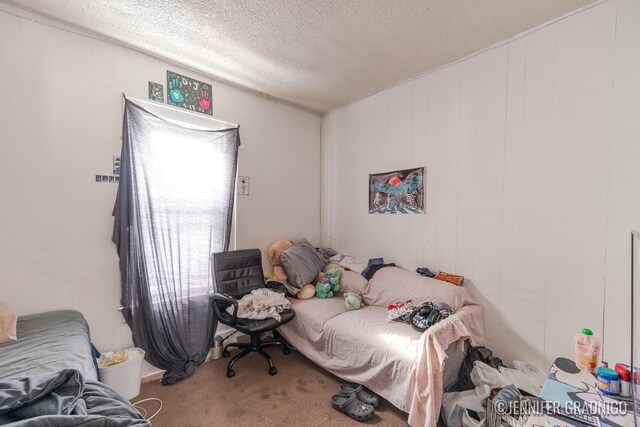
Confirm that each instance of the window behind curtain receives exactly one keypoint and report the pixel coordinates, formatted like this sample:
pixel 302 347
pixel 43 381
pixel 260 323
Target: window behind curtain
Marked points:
pixel 181 178
pixel 173 209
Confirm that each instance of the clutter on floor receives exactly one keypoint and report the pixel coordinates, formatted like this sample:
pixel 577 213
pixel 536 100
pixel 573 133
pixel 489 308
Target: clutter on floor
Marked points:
pixel 484 378
pixel 475 354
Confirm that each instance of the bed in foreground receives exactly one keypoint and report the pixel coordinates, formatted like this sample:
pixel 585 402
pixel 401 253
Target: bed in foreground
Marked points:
pixel 402 365
pixel 48 377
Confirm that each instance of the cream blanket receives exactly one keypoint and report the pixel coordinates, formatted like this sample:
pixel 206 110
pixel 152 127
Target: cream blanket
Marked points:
pixel 400 364
pixel 261 304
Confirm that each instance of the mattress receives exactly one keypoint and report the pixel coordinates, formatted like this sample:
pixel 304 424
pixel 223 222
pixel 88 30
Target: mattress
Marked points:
pixel 48 342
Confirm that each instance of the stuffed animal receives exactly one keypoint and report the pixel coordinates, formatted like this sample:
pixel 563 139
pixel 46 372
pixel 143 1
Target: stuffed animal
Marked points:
pixel 352 300
pixel 329 283
pixel 307 291
pixel 275 250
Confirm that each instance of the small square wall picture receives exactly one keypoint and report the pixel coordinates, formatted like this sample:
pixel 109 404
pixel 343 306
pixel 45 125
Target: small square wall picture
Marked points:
pixel 156 92
pixel 400 191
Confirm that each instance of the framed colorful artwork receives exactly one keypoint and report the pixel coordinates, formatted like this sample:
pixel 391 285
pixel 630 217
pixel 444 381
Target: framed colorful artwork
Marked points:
pixel 400 191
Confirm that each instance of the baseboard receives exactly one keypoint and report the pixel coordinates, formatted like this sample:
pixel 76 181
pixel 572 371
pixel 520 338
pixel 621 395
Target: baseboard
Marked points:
pixel 156 376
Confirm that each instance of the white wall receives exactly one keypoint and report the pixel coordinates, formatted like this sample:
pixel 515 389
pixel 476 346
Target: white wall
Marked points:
pixel 532 150
pixel 60 124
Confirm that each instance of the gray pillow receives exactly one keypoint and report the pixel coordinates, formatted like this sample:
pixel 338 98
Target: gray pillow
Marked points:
pixel 301 264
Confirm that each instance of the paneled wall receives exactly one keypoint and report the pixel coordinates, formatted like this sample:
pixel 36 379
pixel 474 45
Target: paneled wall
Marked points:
pixel 532 151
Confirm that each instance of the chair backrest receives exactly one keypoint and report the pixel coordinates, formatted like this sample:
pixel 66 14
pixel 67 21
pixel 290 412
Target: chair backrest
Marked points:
pixel 237 273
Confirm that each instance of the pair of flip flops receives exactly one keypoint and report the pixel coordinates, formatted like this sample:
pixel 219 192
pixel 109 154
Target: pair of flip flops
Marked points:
pixel 355 400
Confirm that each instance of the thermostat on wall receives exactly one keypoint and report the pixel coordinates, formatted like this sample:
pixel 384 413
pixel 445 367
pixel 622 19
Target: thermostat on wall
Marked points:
pixel 243 185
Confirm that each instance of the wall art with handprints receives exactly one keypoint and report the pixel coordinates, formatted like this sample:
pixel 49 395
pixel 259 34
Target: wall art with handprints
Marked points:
pixel 192 94
pixel 400 191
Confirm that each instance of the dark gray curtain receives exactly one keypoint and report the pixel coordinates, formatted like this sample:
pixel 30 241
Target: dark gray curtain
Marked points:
pixel 173 209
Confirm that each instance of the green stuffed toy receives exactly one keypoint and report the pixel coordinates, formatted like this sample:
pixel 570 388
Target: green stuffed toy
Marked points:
pixel 352 300
pixel 328 285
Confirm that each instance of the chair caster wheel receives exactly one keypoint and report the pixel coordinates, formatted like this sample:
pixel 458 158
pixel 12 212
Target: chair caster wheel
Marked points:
pixel 286 350
pixel 273 370
pixel 231 373
pixel 226 354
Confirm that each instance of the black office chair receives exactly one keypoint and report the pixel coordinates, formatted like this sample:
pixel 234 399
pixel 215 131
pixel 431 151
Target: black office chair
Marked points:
pixel 236 274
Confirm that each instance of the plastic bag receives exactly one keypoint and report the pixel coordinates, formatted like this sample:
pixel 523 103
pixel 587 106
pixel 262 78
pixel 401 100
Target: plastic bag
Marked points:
pixel 111 358
pixel 525 376
pixel 534 373
pixel 455 405
pixel 474 354
pixel 483 374
pixel 528 381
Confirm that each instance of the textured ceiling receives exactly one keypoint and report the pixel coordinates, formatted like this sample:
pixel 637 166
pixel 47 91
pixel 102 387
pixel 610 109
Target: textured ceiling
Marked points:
pixel 316 54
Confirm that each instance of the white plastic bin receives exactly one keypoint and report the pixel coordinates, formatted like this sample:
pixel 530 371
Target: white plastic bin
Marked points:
pixel 125 376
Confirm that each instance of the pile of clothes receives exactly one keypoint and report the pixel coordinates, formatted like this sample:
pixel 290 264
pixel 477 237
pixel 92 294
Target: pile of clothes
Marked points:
pixel 419 317
pixel 483 376
pixel 261 304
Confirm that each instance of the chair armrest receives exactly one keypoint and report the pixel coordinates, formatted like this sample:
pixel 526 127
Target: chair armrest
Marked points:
pixel 218 296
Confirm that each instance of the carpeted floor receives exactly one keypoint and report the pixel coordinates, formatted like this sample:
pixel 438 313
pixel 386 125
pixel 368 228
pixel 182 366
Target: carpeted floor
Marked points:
pixel 299 395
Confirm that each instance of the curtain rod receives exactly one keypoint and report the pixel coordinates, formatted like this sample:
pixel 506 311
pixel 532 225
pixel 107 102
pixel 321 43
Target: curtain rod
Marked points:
pixel 178 110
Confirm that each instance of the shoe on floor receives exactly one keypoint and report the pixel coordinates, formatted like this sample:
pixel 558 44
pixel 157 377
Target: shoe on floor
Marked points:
pixel 352 406
pixel 363 393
